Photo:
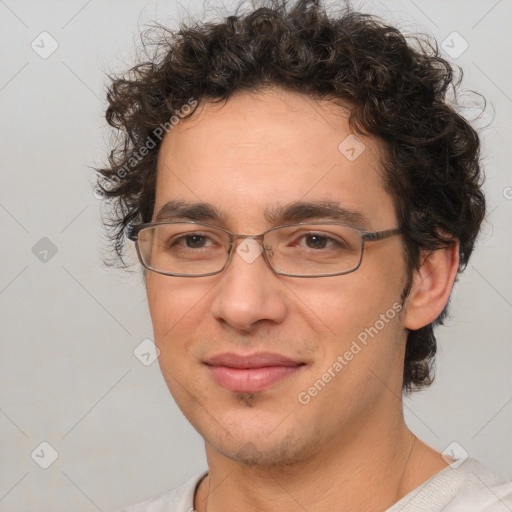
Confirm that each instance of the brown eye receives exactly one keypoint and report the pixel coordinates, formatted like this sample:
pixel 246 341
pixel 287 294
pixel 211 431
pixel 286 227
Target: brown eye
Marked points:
pixel 194 241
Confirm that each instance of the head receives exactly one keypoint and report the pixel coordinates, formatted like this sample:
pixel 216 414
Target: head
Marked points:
pixel 250 115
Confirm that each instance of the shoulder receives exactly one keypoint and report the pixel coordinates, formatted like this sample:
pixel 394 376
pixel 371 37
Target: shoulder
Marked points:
pixel 180 499
pixel 482 490
pixel 465 487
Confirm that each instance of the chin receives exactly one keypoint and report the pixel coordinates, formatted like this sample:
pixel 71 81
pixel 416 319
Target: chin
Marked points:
pixel 267 444
pixel 252 453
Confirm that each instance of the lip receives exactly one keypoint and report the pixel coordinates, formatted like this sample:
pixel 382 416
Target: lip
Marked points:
pixel 251 373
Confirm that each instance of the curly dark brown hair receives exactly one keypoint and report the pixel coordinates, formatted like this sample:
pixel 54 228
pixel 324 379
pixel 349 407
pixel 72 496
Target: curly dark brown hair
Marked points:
pixel 397 89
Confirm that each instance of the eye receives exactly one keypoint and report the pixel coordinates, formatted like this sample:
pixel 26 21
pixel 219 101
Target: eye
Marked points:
pixel 319 241
pixel 191 241
pixel 316 241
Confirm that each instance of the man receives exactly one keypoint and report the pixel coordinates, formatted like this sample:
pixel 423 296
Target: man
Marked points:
pixel 302 198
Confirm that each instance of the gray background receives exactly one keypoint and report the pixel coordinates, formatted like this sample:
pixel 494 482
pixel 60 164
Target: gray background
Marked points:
pixel 69 326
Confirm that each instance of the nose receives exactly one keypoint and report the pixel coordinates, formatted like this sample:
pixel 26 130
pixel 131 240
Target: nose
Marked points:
pixel 249 293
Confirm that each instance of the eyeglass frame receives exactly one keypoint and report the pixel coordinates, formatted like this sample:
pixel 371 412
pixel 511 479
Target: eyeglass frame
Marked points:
pixel 133 230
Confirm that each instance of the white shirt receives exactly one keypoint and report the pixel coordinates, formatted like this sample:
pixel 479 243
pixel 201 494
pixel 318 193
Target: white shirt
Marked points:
pixel 469 487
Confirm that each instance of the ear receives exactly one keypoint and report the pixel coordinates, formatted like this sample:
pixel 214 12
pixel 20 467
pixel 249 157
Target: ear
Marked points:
pixel 431 286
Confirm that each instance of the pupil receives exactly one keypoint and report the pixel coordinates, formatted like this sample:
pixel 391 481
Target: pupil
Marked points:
pixel 317 242
pixel 195 241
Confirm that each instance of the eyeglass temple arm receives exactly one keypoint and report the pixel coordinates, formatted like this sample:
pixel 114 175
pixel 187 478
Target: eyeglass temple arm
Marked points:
pixel 380 235
pixel 130 232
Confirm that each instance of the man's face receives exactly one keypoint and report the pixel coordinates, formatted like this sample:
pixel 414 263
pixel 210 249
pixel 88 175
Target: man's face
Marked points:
pixel 258 152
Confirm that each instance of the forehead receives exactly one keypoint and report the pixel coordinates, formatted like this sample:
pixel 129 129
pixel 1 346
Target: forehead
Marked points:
pixel 271 148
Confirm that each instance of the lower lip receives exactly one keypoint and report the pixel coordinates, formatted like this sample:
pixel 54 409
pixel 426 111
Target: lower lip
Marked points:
pixel 249 380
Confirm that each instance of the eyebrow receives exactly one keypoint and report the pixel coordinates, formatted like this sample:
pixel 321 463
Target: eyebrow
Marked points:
pixel 183 210
pixel 297 211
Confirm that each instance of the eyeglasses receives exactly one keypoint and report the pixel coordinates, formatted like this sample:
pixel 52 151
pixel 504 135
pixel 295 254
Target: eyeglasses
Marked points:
pixel 193 249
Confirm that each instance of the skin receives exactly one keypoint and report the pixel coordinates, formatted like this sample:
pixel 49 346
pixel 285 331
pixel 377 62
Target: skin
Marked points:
pixel 268 451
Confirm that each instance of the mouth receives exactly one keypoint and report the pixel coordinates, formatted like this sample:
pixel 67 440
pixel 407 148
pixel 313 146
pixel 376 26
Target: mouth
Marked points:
pixel 252 373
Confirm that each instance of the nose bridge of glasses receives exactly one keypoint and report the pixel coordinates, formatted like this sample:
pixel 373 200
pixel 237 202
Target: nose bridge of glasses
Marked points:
pixel 249 247
pixel 238 239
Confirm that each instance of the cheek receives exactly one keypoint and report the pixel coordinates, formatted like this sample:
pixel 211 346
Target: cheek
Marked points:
pixel 160 302
pixel 172 306
pixel 173 303
pixel 357 314
pixel 343 305
pixel 179 314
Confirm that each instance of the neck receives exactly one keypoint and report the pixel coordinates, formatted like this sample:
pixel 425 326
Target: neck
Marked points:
pixel 366 468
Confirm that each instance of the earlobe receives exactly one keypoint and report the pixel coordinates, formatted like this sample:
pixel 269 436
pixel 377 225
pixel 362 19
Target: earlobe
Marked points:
pixel 431 286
